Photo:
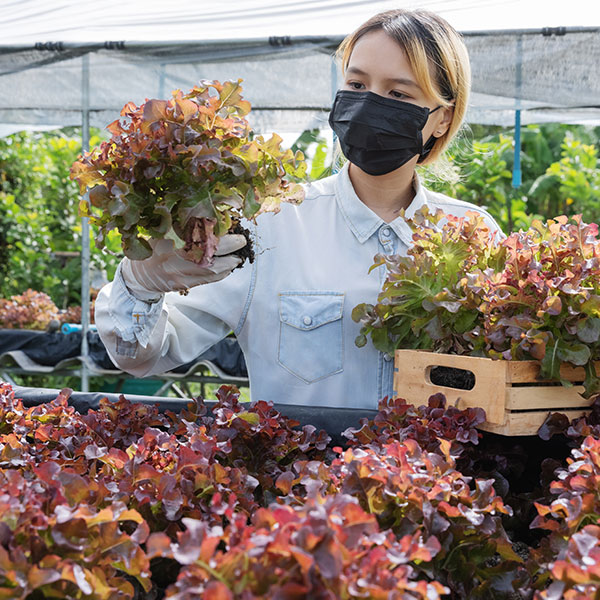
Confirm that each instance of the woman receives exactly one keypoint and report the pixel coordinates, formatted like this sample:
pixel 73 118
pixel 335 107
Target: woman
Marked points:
pixel 405 93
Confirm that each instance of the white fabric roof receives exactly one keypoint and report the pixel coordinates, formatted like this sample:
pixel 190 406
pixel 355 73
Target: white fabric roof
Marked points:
pixel 26 21
pixel 290 81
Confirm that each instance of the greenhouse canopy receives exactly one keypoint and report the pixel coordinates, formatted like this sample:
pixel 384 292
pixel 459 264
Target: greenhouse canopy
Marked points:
pixel 541 57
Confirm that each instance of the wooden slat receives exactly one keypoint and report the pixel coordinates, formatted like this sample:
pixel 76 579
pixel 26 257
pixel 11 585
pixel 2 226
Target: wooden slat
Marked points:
pixel 522 371
pixel 411 381
pixel 517 371
pixel 527 371
pixel 525 423
pixel 551 397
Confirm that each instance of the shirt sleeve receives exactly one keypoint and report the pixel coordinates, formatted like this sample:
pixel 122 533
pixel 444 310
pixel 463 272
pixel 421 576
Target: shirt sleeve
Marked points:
pixel 144 338
pixel 133 319
pixel 495 230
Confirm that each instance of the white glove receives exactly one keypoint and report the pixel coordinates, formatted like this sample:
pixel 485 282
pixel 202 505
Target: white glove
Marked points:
pixel 166 271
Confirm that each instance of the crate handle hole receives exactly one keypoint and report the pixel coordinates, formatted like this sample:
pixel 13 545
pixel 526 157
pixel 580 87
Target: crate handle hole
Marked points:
pixel 451 377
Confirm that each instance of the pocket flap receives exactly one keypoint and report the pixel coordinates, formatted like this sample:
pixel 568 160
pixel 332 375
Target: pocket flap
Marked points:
pixel 308 310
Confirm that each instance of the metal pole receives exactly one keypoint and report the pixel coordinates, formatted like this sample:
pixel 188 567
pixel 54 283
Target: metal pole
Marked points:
pixel 161 81
pixel 85 227
pixel 334 86
pixel 517 175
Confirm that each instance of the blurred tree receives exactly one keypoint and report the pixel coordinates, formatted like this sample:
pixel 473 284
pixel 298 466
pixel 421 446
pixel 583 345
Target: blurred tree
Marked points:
pixel 40 230
pixel 560 173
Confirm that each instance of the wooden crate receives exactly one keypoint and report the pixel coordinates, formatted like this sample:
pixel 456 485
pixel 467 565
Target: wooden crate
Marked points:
pixel 516 402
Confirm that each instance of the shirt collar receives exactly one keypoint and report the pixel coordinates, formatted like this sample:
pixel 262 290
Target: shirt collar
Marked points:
pixel 362 221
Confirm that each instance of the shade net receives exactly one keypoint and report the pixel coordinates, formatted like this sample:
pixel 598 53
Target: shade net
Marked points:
pixel 291 82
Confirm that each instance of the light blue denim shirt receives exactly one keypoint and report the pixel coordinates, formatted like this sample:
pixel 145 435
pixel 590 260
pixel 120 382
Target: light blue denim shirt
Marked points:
pixel 290 310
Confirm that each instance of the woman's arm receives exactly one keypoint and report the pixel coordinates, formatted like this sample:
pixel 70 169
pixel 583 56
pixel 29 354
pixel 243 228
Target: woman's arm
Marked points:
pixel 144 338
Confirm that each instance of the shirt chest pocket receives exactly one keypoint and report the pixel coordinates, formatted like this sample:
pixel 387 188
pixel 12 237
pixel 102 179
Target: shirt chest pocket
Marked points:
pixel 310 336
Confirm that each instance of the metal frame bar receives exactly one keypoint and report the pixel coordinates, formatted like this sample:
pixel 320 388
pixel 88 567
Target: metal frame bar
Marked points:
pixel 275 42
pixel 169 382
pixel 85 227
pixel 517 175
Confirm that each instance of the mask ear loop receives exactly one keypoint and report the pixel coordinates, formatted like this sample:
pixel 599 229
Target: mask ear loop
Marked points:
pixel 427 149
pixel 428 146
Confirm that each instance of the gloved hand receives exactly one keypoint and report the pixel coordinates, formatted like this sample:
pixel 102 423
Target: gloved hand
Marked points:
pixel 166 271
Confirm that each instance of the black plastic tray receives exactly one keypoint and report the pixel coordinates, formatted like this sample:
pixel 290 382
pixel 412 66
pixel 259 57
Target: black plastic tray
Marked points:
pixel 333 420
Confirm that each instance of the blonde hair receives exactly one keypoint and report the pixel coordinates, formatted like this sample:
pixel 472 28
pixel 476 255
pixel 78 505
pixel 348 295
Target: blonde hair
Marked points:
pixel 432 47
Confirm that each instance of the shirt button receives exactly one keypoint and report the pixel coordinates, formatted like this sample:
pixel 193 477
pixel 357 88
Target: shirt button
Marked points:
pixel 386 231
pixel 307 320
pixel 387 357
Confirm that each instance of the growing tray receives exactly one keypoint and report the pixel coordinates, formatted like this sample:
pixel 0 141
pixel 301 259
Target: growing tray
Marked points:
pixel 515 400
pixel 333 420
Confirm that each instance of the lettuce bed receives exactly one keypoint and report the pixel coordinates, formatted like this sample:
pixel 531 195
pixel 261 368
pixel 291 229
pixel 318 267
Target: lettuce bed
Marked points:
pixel 126 502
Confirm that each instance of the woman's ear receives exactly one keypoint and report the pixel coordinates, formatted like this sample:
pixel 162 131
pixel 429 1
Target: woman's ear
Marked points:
pixel 444 124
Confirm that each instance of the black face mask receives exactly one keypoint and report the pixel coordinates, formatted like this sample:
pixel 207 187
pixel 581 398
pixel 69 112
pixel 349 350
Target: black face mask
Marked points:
pixel 379 134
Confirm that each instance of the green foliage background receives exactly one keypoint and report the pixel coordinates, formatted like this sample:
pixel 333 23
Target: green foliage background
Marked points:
pixel 38 201
pixel 560 173
pixel 38 216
